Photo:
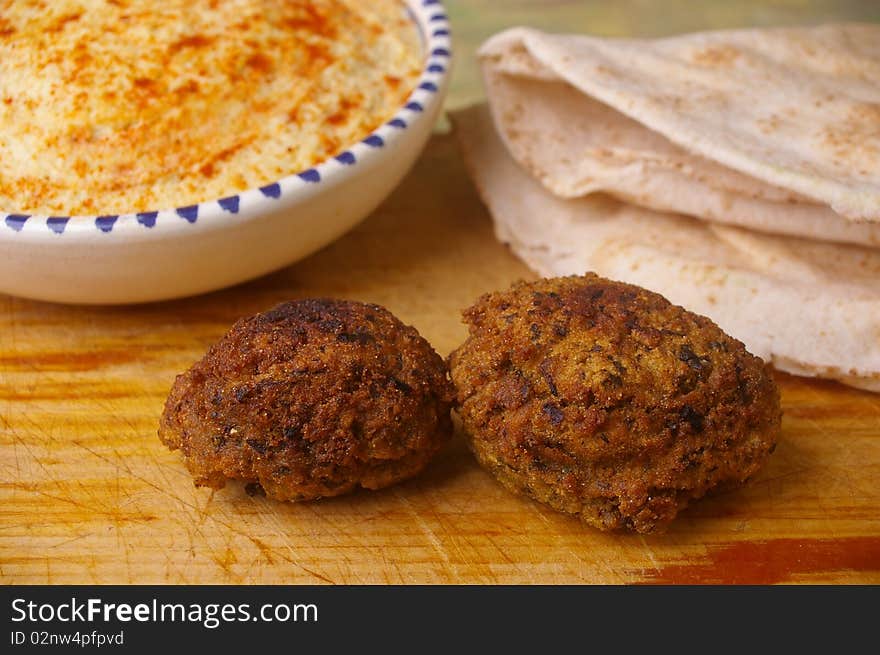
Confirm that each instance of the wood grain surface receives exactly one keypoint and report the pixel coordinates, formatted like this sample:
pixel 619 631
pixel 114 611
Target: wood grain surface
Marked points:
pixel 89 495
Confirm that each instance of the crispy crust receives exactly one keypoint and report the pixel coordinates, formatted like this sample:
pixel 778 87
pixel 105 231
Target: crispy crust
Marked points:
pixel 604 400
pixel 312 398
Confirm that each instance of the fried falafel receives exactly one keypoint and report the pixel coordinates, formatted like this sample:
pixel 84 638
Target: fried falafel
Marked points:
pixel 310 399
pixel 605 401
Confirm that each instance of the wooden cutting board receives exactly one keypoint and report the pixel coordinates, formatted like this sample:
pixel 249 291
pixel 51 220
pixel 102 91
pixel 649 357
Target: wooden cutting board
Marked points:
pixel 89 495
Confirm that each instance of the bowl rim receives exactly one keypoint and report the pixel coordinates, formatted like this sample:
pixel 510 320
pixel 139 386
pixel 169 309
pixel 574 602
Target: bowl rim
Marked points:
pixel 431 21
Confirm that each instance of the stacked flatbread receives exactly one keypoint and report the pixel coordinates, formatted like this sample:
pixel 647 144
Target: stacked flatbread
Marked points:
pixel 737 173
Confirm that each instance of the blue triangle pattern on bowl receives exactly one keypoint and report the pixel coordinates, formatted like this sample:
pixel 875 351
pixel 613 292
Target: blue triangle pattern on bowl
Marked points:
pixel 189 213
pixel 106 223
pixel 230 204
pixel 17 221
pixel 147 219
pixel 57 223
pixel 310 175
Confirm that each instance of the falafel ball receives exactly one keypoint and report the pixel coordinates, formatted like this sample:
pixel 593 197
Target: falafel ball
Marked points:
pixel 606 401
pixel 310 399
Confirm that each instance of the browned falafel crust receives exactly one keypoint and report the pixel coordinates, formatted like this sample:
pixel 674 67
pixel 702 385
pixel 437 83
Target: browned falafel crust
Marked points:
pixel 310 399
pixel 606 401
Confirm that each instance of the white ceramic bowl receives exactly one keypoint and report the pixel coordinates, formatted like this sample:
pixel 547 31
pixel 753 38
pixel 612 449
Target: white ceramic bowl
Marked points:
pixel 217 243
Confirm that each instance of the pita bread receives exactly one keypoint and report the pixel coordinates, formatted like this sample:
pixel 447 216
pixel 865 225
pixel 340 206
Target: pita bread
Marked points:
pixel 576 145
pixel 797 109
pixel 810 308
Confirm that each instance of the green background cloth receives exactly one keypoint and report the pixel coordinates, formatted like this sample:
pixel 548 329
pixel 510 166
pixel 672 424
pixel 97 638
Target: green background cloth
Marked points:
pixel 473 21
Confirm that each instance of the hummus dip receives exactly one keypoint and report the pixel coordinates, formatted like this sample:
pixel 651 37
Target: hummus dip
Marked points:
pixel 124 106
